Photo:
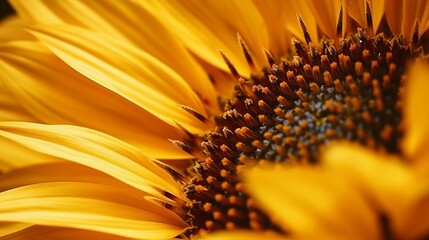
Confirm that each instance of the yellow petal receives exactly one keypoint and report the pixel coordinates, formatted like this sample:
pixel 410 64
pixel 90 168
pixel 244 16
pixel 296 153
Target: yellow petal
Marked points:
pixel 364 169
pixel 125 70
pixel 14 156
pixel 394 16
pixel 129 23
pixel 312 204
pixel 248 235
pixel 411 222
pixel 199 25
pixel 47 88
pixel 91 207
pixel 326 14
pixel 96 150
pixel 357 10
pixel 58 172
pixel 11 29
pixel 402 15
pixel 377 8
pixel 11 227
pixel 55 233
pixel 416 117
pixel 276 16
pixel 10 108
pixel 415 10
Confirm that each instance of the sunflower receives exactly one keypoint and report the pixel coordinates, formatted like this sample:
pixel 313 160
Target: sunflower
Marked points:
pixel 146 119
pixel 355 193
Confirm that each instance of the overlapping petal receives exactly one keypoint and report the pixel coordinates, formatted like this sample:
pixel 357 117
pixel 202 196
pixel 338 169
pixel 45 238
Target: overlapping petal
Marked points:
pixel 326 13
pixel 14 156
pixel 364 169
pixel 125 24
pixel 95 150
pixel 357 10
pixel 39 87
pixel 308 204
pixel 55 233
pixel 89 206
pixel 125 70
pixel 198 25
pixel 402 15
pixel 11 29
pixel 7 228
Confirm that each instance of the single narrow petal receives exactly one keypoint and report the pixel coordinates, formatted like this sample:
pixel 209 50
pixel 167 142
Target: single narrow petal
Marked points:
pixel 123 20
pixel 416 117
pixel 91 207
pixel 37 82
pixel 96 150
pixel 312 204
pixel 377 7
pixel 125 70
pixel 394 15
pixel 248 235
pixel 56 233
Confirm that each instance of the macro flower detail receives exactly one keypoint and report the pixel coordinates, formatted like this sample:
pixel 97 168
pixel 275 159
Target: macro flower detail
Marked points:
pixel 161 119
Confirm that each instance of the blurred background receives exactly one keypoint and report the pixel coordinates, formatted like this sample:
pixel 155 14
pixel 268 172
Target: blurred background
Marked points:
pixel 5 9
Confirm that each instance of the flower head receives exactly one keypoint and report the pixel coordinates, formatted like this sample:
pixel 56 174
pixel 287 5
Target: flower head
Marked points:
pixel 146 119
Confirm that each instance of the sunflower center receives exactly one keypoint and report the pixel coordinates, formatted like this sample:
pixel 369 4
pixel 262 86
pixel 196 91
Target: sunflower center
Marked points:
pixel 286 113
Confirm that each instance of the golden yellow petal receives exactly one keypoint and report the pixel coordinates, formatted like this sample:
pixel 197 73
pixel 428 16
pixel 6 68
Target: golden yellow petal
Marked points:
pixel 402 15
pixel 415 10
pixel 416 117
pixel 356 10
pixel 365 170
pixel 275 15
pixel 412 222
pixel 47 88
pixel 394 16
pixel 96 150
pixel 89 206
pixel 377 7
pixel 248 235
pixel 326 15
pixel 312 204
pixel 58 172
pixel 14 155
pixel 199 25
pixel 309 18
pixel 127 71
pixel 11 227
pixel 128 22
pixel 56 233
pixel 11 29
pixel 10 108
